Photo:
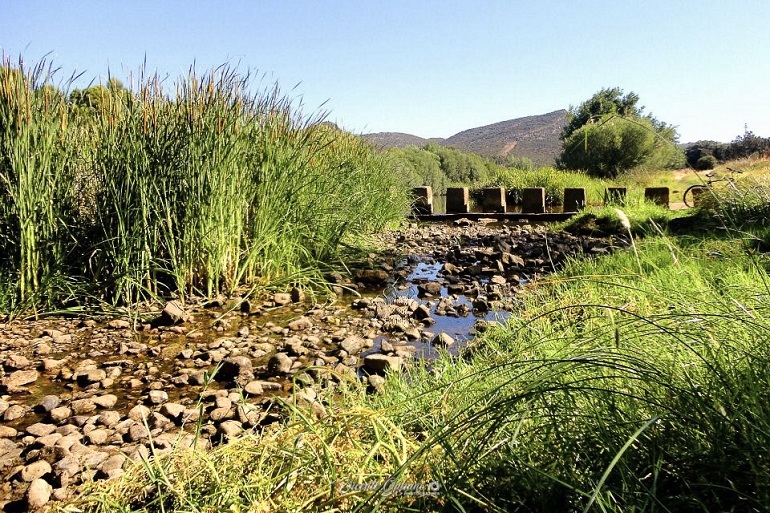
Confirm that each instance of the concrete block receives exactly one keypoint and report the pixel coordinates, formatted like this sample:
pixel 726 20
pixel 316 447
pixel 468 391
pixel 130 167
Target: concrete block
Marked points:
pixel 658 195
pixel 423 200
pixel 493 199
pixel 574 199
pixel 457 201
pixel 533 200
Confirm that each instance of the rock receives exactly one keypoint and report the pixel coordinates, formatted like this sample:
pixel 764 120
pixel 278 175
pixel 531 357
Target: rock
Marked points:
pixel 443 340
pixel 48 403
pixel 352 344
pixel 218 414
pixel 106 401
pixel 60 414
pixel 119 324
pixel 14 412
pixel 16 362
pixel 35 470
pixel 236 369
pixel 89 377
pixel 114 462
pixel 38 494
pixel 17 379
pixel 381 362
pixel 253 388
pixel 300 324
pixel 279 363
pixel 40 429
pixel 281 298
pixel 52 364
pixel 137 432
pixel 139 412
pixel 377 383
pixel 371 276
pixel 421 312
pixel 82 406
pixel 432 288
pixel 7 432
pixel 173 411
pixel 98 436
pixel 158 396
pixel 172 314
pixel 230 428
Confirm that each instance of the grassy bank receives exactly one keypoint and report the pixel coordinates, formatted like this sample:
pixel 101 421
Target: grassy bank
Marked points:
pixel 120 195
pixel 636 381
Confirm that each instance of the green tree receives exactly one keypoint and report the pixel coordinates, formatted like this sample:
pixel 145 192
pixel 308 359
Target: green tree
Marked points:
pixel 609 134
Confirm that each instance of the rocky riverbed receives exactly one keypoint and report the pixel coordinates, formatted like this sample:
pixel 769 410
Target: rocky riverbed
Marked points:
pixel 79 398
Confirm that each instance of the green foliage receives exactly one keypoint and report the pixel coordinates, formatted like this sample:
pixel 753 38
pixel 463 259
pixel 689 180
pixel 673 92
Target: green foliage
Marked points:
pixel 745 146
pixel 608 135
pixel 705 163
pixel 605 102
pixel 128 194
pixel 417 167
pixel 554 181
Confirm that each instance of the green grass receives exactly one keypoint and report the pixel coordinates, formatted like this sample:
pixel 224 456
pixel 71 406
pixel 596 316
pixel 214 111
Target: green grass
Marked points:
pixel 143 193
pixel 554 181
pixel 632 382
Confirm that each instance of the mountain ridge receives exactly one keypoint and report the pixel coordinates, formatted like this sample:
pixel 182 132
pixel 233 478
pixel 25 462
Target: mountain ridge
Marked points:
pixel 534 137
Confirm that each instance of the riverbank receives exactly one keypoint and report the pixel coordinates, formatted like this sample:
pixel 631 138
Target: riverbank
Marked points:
pixel 85 397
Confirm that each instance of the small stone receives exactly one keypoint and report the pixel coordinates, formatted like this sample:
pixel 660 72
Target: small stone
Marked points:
pixel 377 383
pixel 218 414
pixel 139 412
pixel 230 428
pixel 158 396
pixel 38 494
pixel 7 432
pixel 253 388
pixel 381 362
pixel 35 470
pixel 106 401
pixel 236 369
pixel 281 298
pixel 60 414
pixel 279 363
pixel 40 429
pixel 108 418
pixel 49 402
pixel 173 313
pixel 443 340
pixel 98 436
pixel 119 324
pixel 19 378
pixel 16 362
pixel 14 412
pixel 90 377
pixel 300 324
pixel 173 411
pixel 82 406
pixel 137 432
pixel 352 344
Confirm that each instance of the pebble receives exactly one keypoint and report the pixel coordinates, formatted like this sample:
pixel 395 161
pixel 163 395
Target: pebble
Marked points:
pixel 38 494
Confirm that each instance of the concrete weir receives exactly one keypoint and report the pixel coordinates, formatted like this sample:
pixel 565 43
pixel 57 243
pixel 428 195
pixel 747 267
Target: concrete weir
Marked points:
pixel 492 203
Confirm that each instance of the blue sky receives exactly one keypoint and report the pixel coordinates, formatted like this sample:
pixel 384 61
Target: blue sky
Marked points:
pixel 432 68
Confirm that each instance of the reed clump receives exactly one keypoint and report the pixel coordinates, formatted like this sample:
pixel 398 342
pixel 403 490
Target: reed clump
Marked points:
pixel 123 194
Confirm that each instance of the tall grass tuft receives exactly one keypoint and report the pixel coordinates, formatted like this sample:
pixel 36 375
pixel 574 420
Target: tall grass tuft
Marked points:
pixel 36 195
pixel 199 188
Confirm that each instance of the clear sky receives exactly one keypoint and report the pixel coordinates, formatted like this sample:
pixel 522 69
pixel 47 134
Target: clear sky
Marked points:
pixel 432 68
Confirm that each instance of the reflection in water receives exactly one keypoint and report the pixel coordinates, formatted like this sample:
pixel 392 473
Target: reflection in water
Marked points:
pixel 459 328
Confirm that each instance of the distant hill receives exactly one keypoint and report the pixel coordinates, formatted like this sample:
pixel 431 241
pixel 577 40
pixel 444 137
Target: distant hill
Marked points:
pixel 533 137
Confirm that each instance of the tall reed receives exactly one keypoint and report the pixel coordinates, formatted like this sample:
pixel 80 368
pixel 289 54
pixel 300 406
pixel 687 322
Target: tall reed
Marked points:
pixel 35 180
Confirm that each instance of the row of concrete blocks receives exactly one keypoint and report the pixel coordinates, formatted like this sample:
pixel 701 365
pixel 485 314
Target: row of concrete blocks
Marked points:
pixel 532 199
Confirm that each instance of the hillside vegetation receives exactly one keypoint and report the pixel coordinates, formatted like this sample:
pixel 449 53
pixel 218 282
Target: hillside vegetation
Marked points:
pixel 535 138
